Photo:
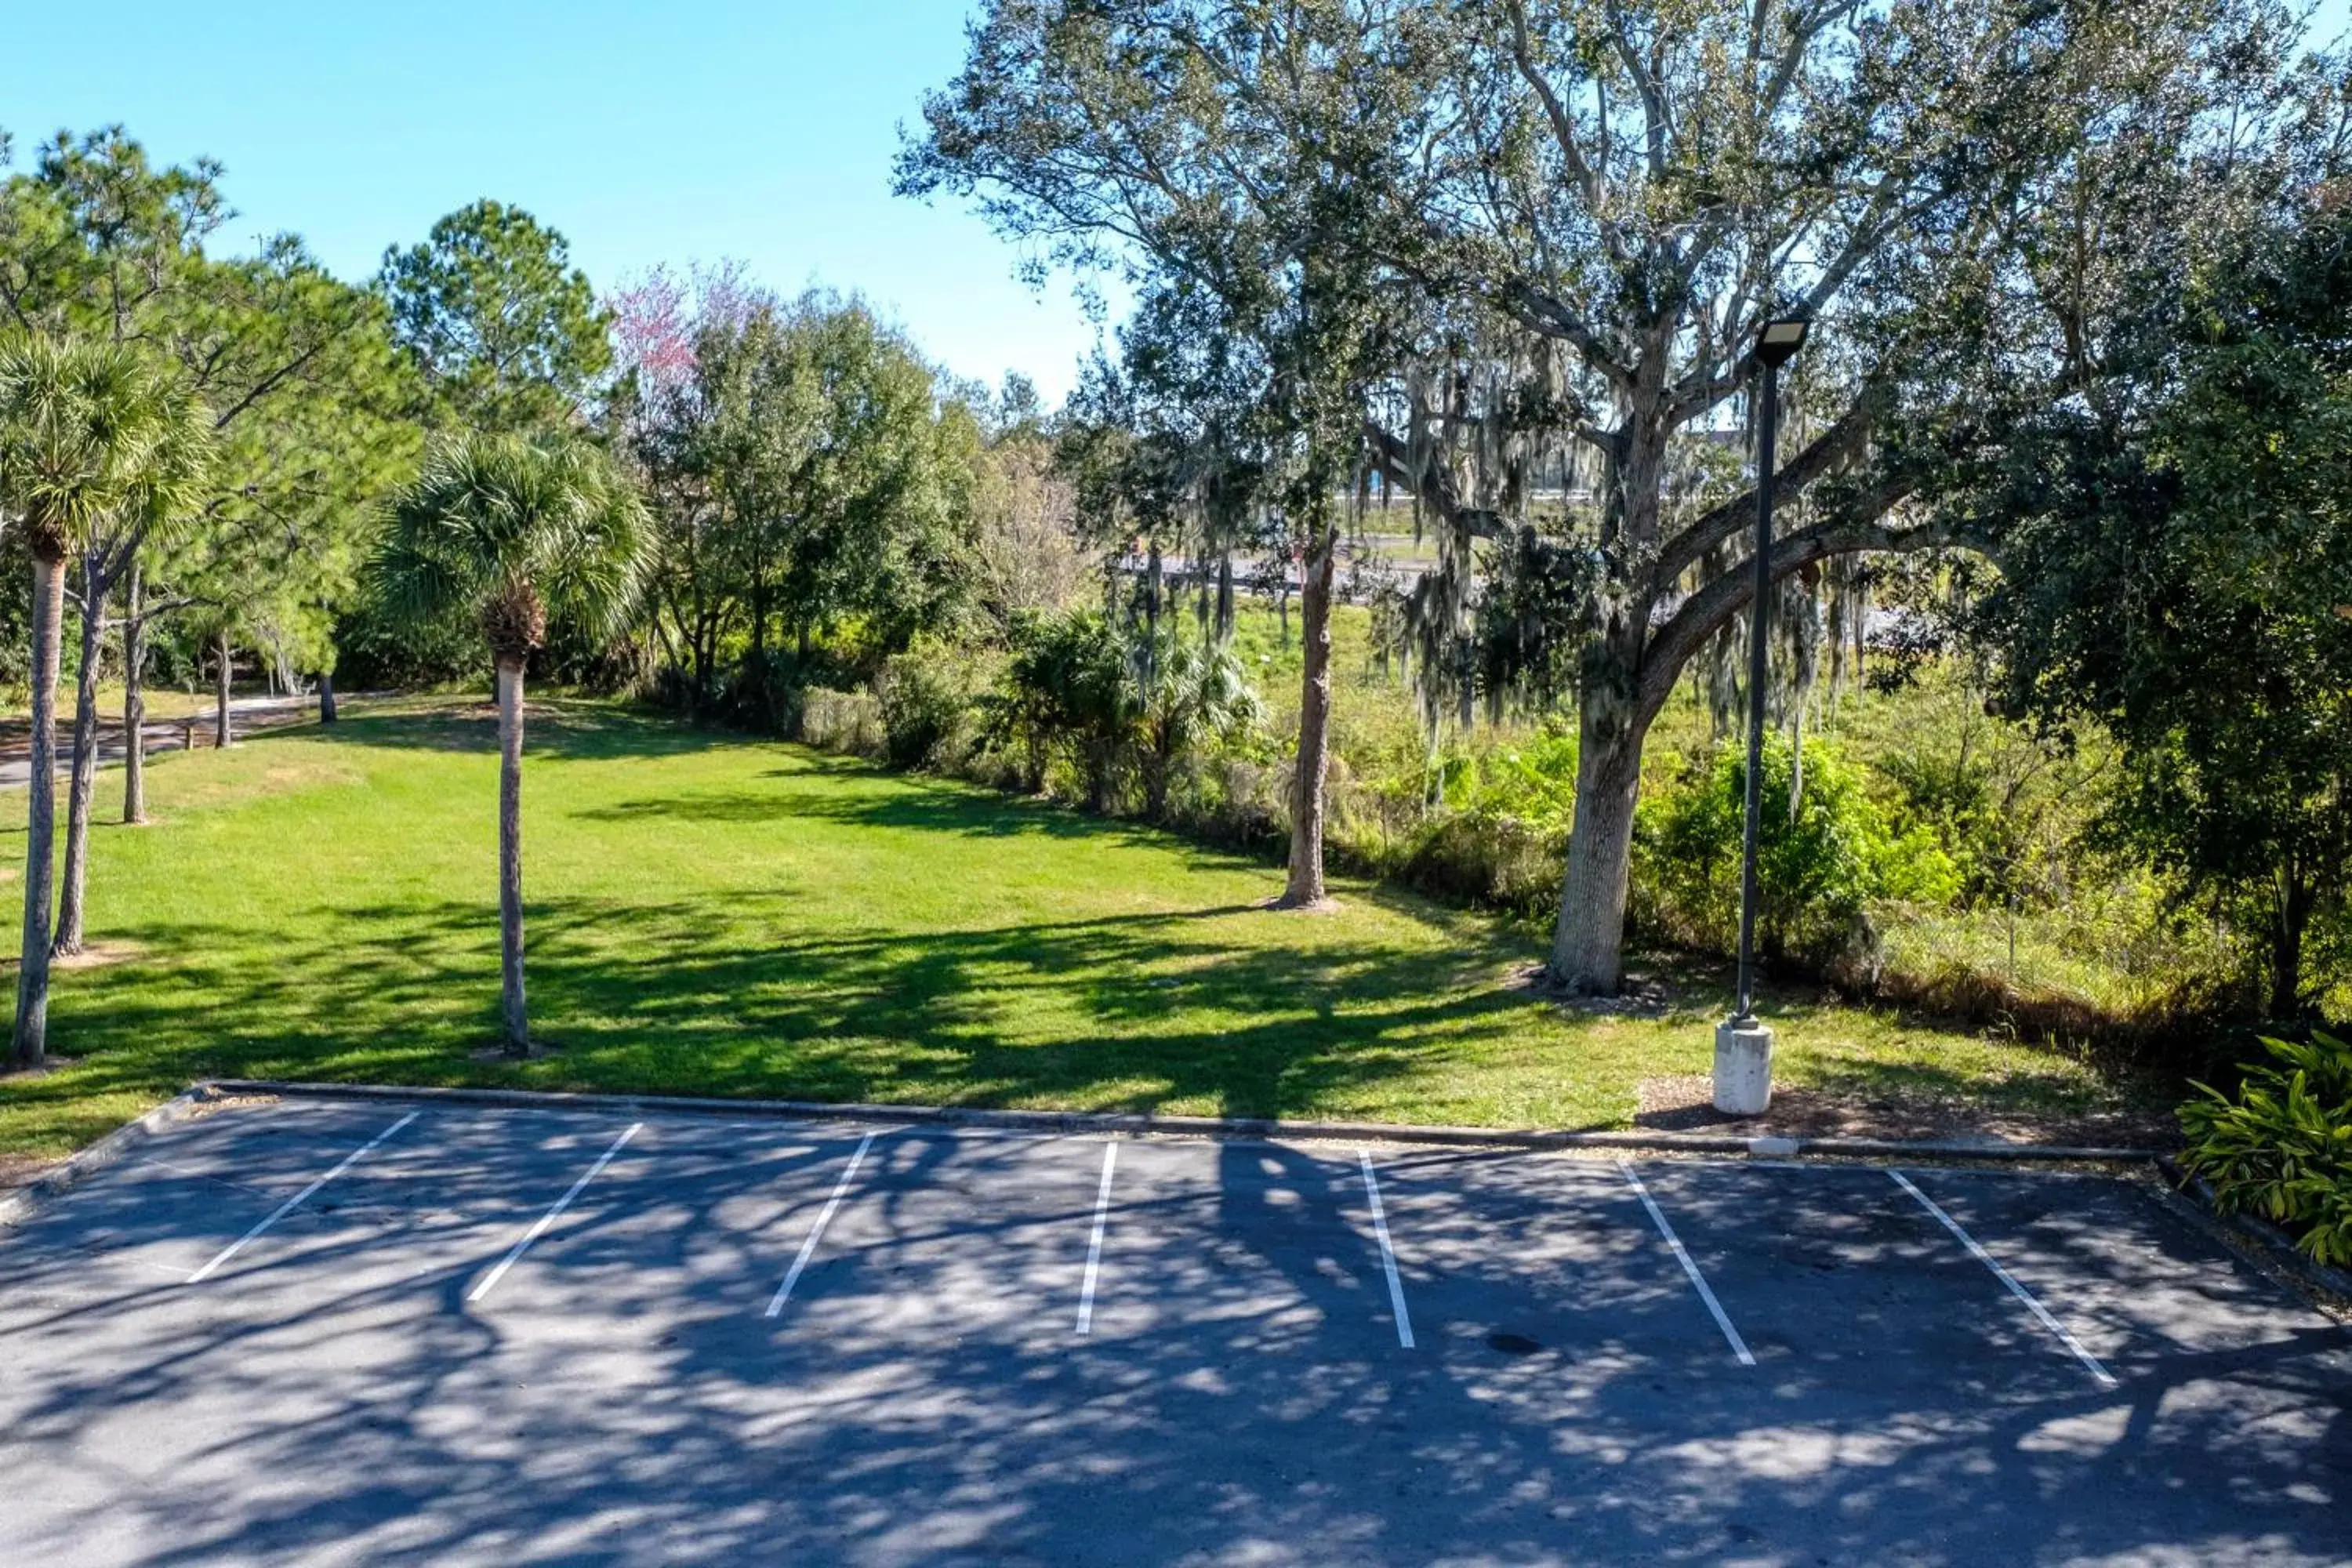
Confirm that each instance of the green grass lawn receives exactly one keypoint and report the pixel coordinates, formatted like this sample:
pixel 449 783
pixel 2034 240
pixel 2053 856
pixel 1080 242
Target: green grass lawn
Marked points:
pixel 711 915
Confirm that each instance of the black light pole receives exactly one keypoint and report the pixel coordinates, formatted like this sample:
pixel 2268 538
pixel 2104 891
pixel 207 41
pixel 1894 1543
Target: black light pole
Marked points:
pixel 1775 346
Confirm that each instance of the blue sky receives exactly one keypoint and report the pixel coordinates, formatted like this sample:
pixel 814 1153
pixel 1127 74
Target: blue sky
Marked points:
pixel 653 131
pixel 683 130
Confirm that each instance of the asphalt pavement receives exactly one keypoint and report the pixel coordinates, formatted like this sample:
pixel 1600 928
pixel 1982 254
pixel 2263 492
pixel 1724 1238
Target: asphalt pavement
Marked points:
pixel 360 1331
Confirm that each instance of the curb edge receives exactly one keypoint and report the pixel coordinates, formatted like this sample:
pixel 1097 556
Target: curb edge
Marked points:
pixel 1194 1126
pixel 21 1204
pixel 2267 1245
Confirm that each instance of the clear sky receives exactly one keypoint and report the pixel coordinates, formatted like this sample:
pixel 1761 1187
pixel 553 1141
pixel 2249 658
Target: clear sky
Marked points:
pixel 657 130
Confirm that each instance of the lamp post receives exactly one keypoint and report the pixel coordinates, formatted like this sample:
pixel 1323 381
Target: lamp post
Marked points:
pixel 1743 1044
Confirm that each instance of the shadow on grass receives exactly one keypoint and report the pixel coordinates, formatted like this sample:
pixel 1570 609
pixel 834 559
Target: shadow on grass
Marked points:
pixel 584 728
pixel 1132 1012
pixel 1267 1014
pixel 1129 1012
pixel 899 801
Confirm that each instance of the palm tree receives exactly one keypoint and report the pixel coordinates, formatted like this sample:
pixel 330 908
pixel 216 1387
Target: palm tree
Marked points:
pixel 510 530
pixel 158 507
pixel 1189 688
pixel 81 424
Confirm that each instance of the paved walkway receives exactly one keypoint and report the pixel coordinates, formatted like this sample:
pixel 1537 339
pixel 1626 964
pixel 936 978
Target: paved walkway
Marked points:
pixel 246 714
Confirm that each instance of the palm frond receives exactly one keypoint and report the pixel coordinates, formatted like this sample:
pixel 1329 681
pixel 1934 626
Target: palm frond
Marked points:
pixel 496 516
pixel 87 430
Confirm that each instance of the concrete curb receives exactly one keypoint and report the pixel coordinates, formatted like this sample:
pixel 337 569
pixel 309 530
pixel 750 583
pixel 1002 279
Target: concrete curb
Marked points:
pixel 2247 1232
pixel 20 1206
pixel 1200 1126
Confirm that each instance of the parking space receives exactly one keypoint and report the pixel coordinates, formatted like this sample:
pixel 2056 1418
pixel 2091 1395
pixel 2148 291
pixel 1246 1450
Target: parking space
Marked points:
pixel 323 1331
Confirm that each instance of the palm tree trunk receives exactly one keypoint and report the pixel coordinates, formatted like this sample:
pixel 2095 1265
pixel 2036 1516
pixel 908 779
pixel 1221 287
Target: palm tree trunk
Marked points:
pixel 222 736
pixel 1305 889
pixel 326 697
pixel 518 1026
pixel 84 771
pixel 32 1030
pixel 134 697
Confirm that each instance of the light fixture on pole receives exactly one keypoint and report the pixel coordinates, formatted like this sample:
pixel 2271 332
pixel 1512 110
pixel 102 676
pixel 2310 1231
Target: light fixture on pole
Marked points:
pixel 1743 1046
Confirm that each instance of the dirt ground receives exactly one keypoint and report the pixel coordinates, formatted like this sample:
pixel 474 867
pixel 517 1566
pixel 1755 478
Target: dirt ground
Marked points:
pixel 1685 1104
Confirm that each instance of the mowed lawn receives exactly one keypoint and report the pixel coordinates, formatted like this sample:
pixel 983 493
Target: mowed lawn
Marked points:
pixel 719 916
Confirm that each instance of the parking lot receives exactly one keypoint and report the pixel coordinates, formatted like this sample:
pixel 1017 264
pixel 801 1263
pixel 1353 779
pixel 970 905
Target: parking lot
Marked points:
pixel 330 1330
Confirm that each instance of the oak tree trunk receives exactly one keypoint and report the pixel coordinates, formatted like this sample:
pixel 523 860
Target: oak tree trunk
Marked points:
pixel 1587 944
pixel 326 697
pixel 1305 888
pixel 134 697
pixel 222 735
pixel 518 1027
pixel 32 1028
pixel 84 768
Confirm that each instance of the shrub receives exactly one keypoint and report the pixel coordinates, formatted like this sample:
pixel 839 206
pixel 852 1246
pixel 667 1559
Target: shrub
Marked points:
pixel 847 721
pixel 1533 783
pixel 2282 1147
pixel 1065 694
pixel 1504 862
pixel 764 692
pixel 925 703
pixel 1193 695
pixel 1818 869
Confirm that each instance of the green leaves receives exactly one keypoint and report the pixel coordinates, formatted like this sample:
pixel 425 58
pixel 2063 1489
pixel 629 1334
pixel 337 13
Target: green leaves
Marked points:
pixel 305 397
pixel 1824 853
pixel 2174 572
pixel 505 331
pixel 2282 1148
pixel 499 526
pixel 93 434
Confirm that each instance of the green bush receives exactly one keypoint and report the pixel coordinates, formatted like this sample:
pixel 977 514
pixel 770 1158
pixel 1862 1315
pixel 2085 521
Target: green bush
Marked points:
pixel 1066 695
pixel 1818 870
pixel 1192 696
pixel 2282 1146
pixel 925 696
pixel 849 721
pixel 1502 862
pixel 1533 783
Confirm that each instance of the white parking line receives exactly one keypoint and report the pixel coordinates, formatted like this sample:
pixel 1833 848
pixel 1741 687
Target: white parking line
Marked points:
pixel 1674 1245
pixel 1388 1253
pixel 550 1218
pixel 2003 1275
pixel 817 1232
pixel 1094 1247
pixel 297 1201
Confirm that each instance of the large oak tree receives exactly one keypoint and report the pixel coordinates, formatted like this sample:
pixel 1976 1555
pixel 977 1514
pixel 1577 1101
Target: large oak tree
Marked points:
pixel 1637 186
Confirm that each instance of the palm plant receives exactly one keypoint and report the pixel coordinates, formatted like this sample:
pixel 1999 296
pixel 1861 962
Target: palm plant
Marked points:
pixel 81 427
pixel 157 508
pixel 1189 690
pixel 512 531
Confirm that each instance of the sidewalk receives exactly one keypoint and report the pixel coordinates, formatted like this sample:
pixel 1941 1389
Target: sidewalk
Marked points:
pixel 247 713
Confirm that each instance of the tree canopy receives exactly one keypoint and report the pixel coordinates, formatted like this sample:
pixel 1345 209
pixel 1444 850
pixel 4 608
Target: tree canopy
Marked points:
pixel 506 332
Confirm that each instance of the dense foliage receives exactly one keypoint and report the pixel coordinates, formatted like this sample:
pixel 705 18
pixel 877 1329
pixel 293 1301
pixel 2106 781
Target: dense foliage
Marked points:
pixel 1826 854
pixel 2182 577
pixel 2281 1147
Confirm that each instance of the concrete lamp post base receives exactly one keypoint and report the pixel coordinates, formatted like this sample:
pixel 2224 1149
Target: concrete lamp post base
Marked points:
pixel 1743 1068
